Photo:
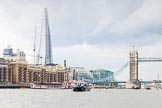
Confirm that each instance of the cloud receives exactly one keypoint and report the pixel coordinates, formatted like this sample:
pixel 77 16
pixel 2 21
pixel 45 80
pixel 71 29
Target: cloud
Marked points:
pixel 92 56
pixel 143 22
pixel 86 21
pixel 76 22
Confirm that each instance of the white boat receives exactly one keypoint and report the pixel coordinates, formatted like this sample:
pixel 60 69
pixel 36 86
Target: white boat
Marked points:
pixel 45 85
pixel 67 85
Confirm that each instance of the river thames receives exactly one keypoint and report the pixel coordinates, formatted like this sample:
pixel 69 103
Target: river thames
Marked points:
pixel 96 98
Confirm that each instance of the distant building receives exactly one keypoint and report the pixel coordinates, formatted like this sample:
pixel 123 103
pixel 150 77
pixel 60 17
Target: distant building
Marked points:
pixel 102 75
pixel 6 71
pixel 79 73
pixel 46 74
pixel 19 65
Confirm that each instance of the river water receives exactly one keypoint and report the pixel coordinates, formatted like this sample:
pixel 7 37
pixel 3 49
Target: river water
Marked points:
pixel 96 98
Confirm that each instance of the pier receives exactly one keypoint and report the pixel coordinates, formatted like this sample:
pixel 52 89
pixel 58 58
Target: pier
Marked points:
pixel 13 86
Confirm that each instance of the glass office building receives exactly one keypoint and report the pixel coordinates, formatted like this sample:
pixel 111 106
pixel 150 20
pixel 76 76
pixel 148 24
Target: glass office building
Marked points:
pixel 101 75
pixel 79 73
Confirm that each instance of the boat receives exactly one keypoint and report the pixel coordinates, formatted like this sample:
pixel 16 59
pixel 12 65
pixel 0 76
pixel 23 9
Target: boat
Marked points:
pixel 67 85
pixel 148 87
pixel 81 87
pixel 54 85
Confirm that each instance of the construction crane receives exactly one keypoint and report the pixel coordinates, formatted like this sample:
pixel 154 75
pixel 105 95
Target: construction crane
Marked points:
pixel 35 56
pixel 35 43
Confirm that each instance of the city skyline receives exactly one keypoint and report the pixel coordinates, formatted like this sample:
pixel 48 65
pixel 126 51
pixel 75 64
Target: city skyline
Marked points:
pixel 93 34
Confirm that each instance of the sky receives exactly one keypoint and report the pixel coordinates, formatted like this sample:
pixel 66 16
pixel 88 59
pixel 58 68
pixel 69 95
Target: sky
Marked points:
pixel 95 34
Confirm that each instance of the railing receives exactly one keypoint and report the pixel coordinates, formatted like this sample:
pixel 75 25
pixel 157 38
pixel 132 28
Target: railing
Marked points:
pixel 150 59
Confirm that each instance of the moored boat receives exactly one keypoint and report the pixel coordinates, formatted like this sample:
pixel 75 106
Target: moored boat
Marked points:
pixel 67 85
pixel 46 85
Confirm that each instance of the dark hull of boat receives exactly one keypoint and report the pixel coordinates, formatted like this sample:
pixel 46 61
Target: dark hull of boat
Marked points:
pixel 79 88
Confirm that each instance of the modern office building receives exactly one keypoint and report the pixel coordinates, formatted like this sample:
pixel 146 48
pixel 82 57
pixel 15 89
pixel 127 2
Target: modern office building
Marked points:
pixel 102 75
pixel 48 54
pixel 79 73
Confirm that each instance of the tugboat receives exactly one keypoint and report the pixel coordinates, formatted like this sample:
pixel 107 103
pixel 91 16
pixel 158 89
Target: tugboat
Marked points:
pixel 81 87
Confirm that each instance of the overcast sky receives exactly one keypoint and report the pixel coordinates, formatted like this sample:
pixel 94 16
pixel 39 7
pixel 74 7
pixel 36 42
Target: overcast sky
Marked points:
pixel 91 33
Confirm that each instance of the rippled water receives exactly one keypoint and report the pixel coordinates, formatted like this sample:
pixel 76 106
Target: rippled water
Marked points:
pixel 96 98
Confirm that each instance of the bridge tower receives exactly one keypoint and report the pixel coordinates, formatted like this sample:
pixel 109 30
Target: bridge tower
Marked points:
pixel 133 81
pixel 133 64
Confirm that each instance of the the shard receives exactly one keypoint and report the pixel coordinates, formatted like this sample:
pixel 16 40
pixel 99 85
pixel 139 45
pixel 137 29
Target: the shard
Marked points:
pixel 48 54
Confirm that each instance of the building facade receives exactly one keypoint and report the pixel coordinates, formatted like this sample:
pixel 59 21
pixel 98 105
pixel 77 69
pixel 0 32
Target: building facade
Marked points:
pixel 19 65
pixel 102 75
pixel 15 69
pixel 6 71
pixel 46 74
pixel 133 64
pixel 133 81
pixel 79 73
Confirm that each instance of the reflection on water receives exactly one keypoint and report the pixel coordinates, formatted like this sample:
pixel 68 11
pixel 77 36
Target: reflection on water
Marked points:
pixel 96 98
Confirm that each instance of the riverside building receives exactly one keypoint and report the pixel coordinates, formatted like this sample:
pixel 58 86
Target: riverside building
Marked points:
pixel 46 74
pixel 19 65
pixel 15 69
pixel 6 72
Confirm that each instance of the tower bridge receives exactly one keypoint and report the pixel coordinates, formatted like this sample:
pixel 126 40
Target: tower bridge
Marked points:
pixel 133 63
pixel 133 81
